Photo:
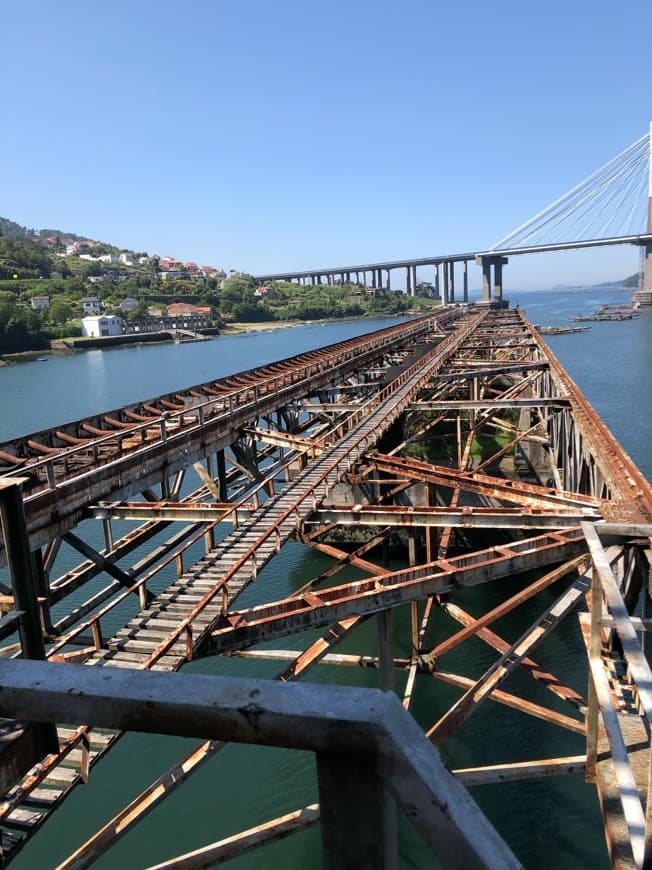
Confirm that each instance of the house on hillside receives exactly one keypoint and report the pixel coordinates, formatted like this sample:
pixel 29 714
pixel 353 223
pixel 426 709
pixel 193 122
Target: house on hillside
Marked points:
pixel 170 264
pixel 128 304
pixel 90 305
pixel 50 241
pixel 80 247
pixel 181 309
pixel 172 273
pixel 211 272
pixel 102 325
pixel 127 258
pixel 40 303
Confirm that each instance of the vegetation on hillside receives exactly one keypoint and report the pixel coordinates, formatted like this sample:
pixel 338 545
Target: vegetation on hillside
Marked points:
pixel 32 265
pixel 14 230
pixel 20 328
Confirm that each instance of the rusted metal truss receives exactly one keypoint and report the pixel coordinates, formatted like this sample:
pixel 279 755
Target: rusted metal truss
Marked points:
pixel 447 443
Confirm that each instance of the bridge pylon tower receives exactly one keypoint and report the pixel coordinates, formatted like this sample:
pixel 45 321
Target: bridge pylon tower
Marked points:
pixel 644 294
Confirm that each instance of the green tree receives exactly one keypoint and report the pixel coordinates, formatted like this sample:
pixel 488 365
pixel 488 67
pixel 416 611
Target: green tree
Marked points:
pixel 20 328
pixel 60 312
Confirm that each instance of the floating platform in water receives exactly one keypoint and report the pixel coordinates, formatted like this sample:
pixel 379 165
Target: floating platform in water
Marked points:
pixel 561 330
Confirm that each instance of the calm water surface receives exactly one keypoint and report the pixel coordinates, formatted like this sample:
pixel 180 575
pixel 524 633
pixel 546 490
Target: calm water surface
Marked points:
pixel 554 821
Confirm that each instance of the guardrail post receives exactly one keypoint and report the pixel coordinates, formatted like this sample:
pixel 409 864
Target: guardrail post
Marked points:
pixel 23 582
pixel 357 814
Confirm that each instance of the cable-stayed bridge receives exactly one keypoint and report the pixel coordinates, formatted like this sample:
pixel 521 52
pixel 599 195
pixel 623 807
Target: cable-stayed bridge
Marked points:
pixel 612 206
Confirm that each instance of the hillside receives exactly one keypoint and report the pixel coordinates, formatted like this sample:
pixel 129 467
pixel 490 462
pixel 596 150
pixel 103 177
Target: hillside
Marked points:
pixel 16 231
pixel 49 281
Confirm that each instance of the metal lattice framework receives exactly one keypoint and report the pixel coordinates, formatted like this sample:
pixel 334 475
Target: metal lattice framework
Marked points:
pixel 458 435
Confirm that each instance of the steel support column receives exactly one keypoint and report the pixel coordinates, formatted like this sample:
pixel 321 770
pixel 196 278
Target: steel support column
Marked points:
pixel 21 570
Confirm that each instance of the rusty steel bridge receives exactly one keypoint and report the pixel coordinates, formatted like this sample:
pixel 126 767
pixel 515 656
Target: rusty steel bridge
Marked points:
pixel 457 437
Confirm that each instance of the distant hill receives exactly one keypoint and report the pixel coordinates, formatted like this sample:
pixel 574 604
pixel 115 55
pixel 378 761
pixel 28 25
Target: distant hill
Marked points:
pixel 16 231
pixel 632 281
pixel 629 283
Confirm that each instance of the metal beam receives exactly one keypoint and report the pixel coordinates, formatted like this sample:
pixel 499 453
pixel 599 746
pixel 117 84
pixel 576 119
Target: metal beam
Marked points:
pixel 468 517
pixel 296 614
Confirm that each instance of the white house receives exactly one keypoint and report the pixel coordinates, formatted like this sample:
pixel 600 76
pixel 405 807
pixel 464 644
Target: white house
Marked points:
pixel 128 304
pixel 90 305
pixel 127 258
pixel 40 303
pixel 101 325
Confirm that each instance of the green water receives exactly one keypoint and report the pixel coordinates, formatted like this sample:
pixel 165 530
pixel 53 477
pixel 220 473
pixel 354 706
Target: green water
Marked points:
pixel 546 822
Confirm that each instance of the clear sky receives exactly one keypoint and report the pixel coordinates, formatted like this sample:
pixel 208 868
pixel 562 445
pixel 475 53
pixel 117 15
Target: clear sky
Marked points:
pixel 289 134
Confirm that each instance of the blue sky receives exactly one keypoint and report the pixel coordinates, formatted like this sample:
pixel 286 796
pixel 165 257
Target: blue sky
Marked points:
pixel 283 135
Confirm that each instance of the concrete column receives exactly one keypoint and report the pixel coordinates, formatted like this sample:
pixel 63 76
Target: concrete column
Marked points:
pixel 498 278
pixel 357 815
pixel 486 280
pixel 408 281
pixel 451 266
pixel 373 278
pixel 437 281
pixel 445 299
pixel 414 280
pixel 466 282
pixel 646 296
pixel 389 281
pixel 647 265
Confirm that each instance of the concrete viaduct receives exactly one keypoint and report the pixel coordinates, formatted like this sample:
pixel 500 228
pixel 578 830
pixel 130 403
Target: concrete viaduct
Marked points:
pixel 379 275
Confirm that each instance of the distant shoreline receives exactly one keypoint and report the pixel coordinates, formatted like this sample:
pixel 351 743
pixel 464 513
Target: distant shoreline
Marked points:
pixel 229 329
